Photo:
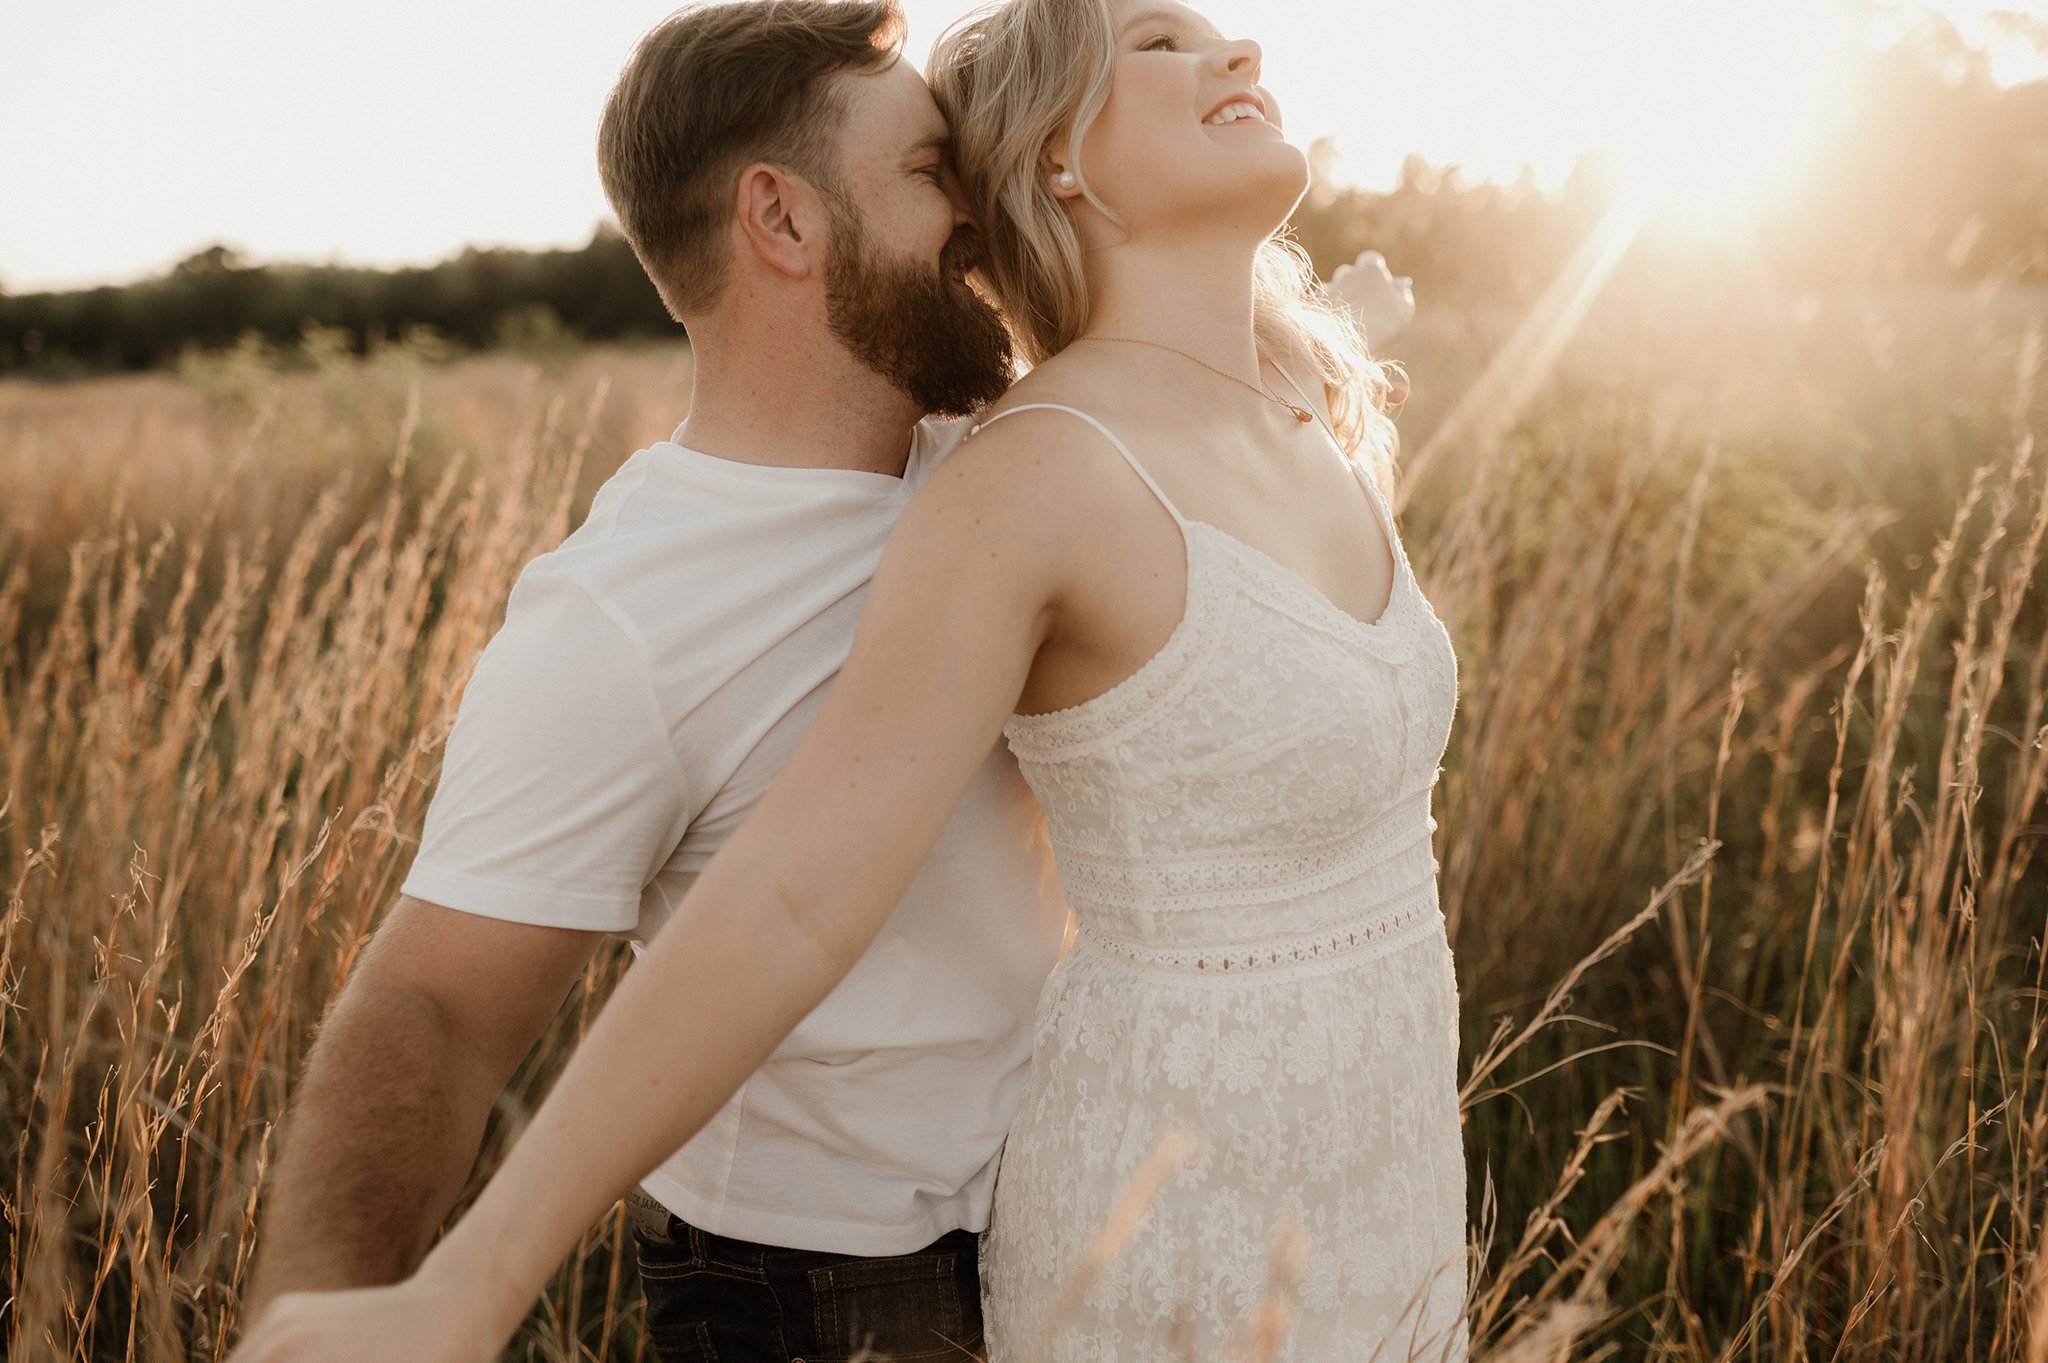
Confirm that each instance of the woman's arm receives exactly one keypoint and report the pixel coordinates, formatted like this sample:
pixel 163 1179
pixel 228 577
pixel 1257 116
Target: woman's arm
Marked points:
pixel 953 620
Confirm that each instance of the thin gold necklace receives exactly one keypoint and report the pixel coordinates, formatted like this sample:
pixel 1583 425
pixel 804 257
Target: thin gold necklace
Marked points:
pixel 1301 414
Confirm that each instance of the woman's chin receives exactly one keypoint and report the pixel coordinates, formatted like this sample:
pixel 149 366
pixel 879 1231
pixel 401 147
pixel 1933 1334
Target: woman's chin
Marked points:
pixel 1269 159
pixel 1251 184
pixel 1273 184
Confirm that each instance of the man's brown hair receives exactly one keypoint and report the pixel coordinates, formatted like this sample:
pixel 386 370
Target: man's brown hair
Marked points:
pixel 712 89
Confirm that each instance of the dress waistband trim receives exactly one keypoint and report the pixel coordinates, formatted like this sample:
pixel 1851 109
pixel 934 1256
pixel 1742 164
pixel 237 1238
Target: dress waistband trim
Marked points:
pixel 1346 944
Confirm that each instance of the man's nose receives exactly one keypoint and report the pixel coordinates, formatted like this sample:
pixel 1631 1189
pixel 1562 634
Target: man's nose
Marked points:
pixel 963 212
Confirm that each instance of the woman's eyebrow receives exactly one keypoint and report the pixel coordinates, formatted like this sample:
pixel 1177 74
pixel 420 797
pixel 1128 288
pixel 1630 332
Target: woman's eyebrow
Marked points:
pixel 1148 16
pixel 1165 16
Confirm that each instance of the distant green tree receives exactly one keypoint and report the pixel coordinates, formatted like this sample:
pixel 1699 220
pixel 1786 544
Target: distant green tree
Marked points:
pixel 212 299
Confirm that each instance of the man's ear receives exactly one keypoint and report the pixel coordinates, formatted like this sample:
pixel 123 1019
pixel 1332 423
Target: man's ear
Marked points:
pixel 780 219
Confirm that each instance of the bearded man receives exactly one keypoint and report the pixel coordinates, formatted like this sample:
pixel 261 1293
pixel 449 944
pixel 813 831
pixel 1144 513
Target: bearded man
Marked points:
pixel 785 180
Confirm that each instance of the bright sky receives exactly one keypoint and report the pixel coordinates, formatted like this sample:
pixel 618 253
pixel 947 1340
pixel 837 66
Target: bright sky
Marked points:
pixel 133 132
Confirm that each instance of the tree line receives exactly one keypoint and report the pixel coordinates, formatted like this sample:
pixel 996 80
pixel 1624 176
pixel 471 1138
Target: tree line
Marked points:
pixel 214 299
pixel 1939 178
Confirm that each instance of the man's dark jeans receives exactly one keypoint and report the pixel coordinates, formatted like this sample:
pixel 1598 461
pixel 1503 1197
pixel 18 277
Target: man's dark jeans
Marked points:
pixel 714 1300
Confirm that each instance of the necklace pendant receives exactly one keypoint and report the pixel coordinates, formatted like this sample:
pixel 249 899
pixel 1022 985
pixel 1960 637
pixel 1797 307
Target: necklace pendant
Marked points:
pixel 1301 414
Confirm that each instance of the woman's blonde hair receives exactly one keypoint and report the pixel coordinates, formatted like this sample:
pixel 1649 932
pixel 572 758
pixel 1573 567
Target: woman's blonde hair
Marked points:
pixel 1009 78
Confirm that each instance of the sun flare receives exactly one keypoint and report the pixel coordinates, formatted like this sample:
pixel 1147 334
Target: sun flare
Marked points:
pixel 1722 105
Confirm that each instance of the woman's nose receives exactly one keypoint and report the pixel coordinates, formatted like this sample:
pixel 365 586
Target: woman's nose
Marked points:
pixel 1241 58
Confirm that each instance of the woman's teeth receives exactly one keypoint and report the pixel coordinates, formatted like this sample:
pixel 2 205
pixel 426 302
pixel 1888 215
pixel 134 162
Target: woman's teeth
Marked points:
pixel 1231 113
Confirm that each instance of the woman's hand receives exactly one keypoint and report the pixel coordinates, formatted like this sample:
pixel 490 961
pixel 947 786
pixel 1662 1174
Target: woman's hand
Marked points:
pixel 1382 303
pixel 420 1320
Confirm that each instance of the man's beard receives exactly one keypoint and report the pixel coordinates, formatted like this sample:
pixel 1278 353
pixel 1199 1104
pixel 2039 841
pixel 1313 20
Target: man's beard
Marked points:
pixel 936 340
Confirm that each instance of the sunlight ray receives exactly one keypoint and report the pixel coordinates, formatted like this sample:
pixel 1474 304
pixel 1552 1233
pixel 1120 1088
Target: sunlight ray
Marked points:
pixel 1514 375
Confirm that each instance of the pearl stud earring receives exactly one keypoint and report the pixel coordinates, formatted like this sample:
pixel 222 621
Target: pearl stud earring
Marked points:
pixel 1065 179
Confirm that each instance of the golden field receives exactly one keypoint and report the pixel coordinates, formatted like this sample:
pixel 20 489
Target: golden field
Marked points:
pixel 1738 824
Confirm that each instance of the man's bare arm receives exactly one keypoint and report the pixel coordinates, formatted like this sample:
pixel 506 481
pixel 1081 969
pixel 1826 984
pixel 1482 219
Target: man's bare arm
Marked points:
pixel 390 1114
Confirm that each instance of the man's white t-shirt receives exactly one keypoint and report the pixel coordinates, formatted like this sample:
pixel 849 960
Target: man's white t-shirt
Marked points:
pixel 652 676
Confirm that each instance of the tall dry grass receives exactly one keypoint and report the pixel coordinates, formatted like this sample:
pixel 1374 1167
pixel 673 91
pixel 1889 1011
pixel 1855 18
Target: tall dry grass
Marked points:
pixel 1738 820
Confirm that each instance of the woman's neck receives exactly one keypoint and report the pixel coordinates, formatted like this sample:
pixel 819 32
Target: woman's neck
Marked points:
pixel 1196 298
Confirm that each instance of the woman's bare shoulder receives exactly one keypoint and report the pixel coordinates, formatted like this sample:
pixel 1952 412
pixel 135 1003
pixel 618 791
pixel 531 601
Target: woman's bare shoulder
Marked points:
pixel 1017 513
pixel 1024 460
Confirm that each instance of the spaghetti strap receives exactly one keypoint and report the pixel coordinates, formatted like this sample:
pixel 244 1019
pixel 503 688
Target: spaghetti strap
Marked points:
pixel 1107 434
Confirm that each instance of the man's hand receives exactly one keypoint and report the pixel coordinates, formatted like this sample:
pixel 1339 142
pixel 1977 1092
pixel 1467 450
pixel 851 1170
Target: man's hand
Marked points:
pixel 1382 303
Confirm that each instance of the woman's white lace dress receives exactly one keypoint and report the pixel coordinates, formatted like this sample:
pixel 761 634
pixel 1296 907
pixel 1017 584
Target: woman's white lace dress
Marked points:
pixel 1243 829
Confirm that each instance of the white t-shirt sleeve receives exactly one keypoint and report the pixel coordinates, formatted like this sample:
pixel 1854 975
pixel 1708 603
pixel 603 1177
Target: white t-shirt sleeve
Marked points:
pixel 561 794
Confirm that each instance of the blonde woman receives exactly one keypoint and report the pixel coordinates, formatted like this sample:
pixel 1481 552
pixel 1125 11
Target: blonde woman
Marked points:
pixel 1163 571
